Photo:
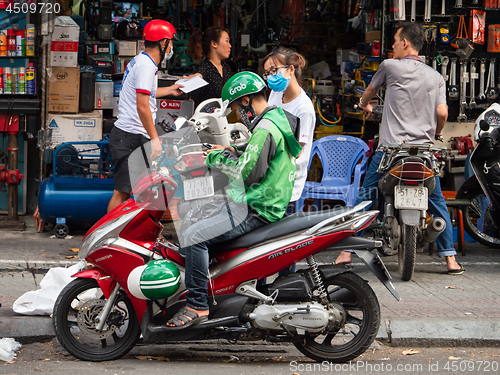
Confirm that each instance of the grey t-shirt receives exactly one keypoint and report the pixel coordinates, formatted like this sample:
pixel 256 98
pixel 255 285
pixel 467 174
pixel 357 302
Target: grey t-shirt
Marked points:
pixel 413 92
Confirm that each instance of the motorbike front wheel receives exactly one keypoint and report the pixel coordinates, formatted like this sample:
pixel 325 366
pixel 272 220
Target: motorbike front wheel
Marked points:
pixel 75 310
pixel 362 322
pixel 478 222
pixel 407 252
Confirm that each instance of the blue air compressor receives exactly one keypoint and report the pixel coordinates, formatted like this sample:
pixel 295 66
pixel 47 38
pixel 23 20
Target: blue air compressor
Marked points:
pixel 80 187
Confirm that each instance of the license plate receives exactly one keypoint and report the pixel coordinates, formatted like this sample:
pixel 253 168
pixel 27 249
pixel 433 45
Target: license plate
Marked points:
pixel 409 197
pixel 200 187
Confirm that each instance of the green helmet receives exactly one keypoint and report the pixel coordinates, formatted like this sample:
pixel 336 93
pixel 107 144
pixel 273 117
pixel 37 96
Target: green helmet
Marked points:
pixel 241 84
pixel 158 279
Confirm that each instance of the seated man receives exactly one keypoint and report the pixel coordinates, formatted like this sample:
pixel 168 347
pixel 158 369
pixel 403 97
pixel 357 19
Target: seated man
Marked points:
pixel 266 175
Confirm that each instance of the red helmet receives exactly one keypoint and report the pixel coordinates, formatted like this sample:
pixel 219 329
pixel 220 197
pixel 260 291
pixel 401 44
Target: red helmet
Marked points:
pixel 157 30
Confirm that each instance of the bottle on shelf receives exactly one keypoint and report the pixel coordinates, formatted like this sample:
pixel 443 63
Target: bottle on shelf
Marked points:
pixel 7 78
pixel 3 43
pixel 11 42
pixel 21 79
pixel 30 40
pixel 30 80
pixel 15 82
pixel 20 40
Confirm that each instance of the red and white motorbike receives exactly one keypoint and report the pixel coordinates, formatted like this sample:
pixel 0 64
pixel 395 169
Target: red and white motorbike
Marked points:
pixel 328 312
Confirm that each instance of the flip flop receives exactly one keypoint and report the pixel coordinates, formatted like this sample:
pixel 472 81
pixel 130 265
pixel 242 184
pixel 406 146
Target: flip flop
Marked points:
pixel 457 272
pixel 181 321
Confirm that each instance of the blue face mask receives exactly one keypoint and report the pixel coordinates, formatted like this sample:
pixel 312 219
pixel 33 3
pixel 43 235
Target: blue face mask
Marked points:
pixel 277 82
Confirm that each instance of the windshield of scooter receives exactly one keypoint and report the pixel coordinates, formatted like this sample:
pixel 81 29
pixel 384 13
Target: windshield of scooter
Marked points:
pixel 181 183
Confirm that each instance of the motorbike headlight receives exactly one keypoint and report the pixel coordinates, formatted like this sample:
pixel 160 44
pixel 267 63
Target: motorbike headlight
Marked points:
pixel 109 230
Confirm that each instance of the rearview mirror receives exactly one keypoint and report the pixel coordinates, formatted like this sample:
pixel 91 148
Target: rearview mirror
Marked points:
pixel 484 125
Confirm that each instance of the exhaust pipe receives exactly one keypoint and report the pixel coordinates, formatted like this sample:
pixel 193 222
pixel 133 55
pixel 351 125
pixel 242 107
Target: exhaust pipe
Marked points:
pixel 433 230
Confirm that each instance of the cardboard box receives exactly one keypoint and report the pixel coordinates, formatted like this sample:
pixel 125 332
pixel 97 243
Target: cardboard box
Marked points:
pixel 169 110
pixel 370 36
pixel 63 59
pixel 65 30
pixel 103 95
pixel 64 44
pixel 73 128
pixel 126 47
pixel 140 46
pixel 103 68
pixel 342 55
pixel 116 108
pixel 99 48
pixel 64 89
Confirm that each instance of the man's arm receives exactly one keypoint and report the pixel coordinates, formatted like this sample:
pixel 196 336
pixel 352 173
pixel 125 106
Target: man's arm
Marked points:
pixel 442 116
pixel 173 90
pixel 146 117
pixel 364 102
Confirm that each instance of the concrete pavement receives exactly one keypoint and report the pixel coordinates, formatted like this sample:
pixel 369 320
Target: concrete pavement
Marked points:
pixel 435 308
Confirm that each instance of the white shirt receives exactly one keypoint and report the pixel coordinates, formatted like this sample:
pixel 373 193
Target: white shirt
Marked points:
pixel 141 75
pixel 303 108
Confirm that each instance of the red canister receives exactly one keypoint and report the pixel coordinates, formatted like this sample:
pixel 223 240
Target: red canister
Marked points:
pixel 11 42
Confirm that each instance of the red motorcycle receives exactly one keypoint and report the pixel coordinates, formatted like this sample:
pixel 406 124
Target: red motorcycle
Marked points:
pixel 328 312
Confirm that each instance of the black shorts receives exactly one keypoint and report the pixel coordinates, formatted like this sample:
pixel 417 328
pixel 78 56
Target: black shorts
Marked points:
pixel 121 145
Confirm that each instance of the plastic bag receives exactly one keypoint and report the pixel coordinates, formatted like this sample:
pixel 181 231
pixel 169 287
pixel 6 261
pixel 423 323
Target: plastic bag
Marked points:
pixel 41 301
pixel 8 348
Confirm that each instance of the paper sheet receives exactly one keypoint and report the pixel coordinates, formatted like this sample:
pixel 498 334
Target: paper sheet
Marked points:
pixel 192 84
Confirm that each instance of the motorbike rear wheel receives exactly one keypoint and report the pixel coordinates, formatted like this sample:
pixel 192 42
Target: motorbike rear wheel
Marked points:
pixel 478 222
pixel 407 252
pixel 74 323
pixel 362 322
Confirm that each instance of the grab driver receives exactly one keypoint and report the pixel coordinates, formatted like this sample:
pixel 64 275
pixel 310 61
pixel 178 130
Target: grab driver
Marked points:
pixel 262 179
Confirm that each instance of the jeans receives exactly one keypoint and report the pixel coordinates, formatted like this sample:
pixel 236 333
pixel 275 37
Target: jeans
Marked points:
pixel 437 204
pixel 205 233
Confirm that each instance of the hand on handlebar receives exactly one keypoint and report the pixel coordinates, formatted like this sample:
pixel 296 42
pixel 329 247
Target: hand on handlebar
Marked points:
pixel 219 147
pixel 156 148
pixel 367 110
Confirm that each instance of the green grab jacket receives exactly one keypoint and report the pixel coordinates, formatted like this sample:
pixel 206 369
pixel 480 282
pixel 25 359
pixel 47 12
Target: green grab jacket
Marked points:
pixel 264 174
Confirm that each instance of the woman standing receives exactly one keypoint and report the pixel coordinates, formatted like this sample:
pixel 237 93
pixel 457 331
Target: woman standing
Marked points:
pixel 214 45
pixel 282 71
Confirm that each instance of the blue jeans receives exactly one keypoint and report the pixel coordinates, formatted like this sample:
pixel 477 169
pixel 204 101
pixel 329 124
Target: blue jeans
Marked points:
pixel 205 233
pixel 437 204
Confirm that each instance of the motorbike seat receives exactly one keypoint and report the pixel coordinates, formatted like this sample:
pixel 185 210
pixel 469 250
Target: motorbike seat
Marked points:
pixel 289 224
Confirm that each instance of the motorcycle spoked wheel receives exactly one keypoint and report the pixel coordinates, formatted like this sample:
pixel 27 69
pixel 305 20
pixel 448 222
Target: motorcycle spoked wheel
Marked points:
pixel 361 324
pixel 407 252
pixel 478 222
pixel 73 319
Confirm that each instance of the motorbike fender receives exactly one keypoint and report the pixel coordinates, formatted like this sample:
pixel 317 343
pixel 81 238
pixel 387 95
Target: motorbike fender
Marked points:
pixel 375 264
pixel 106 282
pixel 410 217
pixel 471 184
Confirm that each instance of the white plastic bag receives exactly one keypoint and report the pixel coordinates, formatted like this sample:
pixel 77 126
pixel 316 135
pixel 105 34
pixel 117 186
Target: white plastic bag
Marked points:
pixel 8 348
pixel 41 301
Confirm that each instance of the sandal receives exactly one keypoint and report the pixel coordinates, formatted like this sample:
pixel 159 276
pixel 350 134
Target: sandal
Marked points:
pixel 181 319
pixel 457 272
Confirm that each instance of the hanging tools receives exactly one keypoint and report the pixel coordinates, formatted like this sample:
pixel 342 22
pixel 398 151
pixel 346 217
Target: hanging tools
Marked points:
pixel 462 44
pixel 452 87
pixel 427 11
pixel 444 60
pixel 491 92
pixel 473 78
pixel 464 77
pixel 482 73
